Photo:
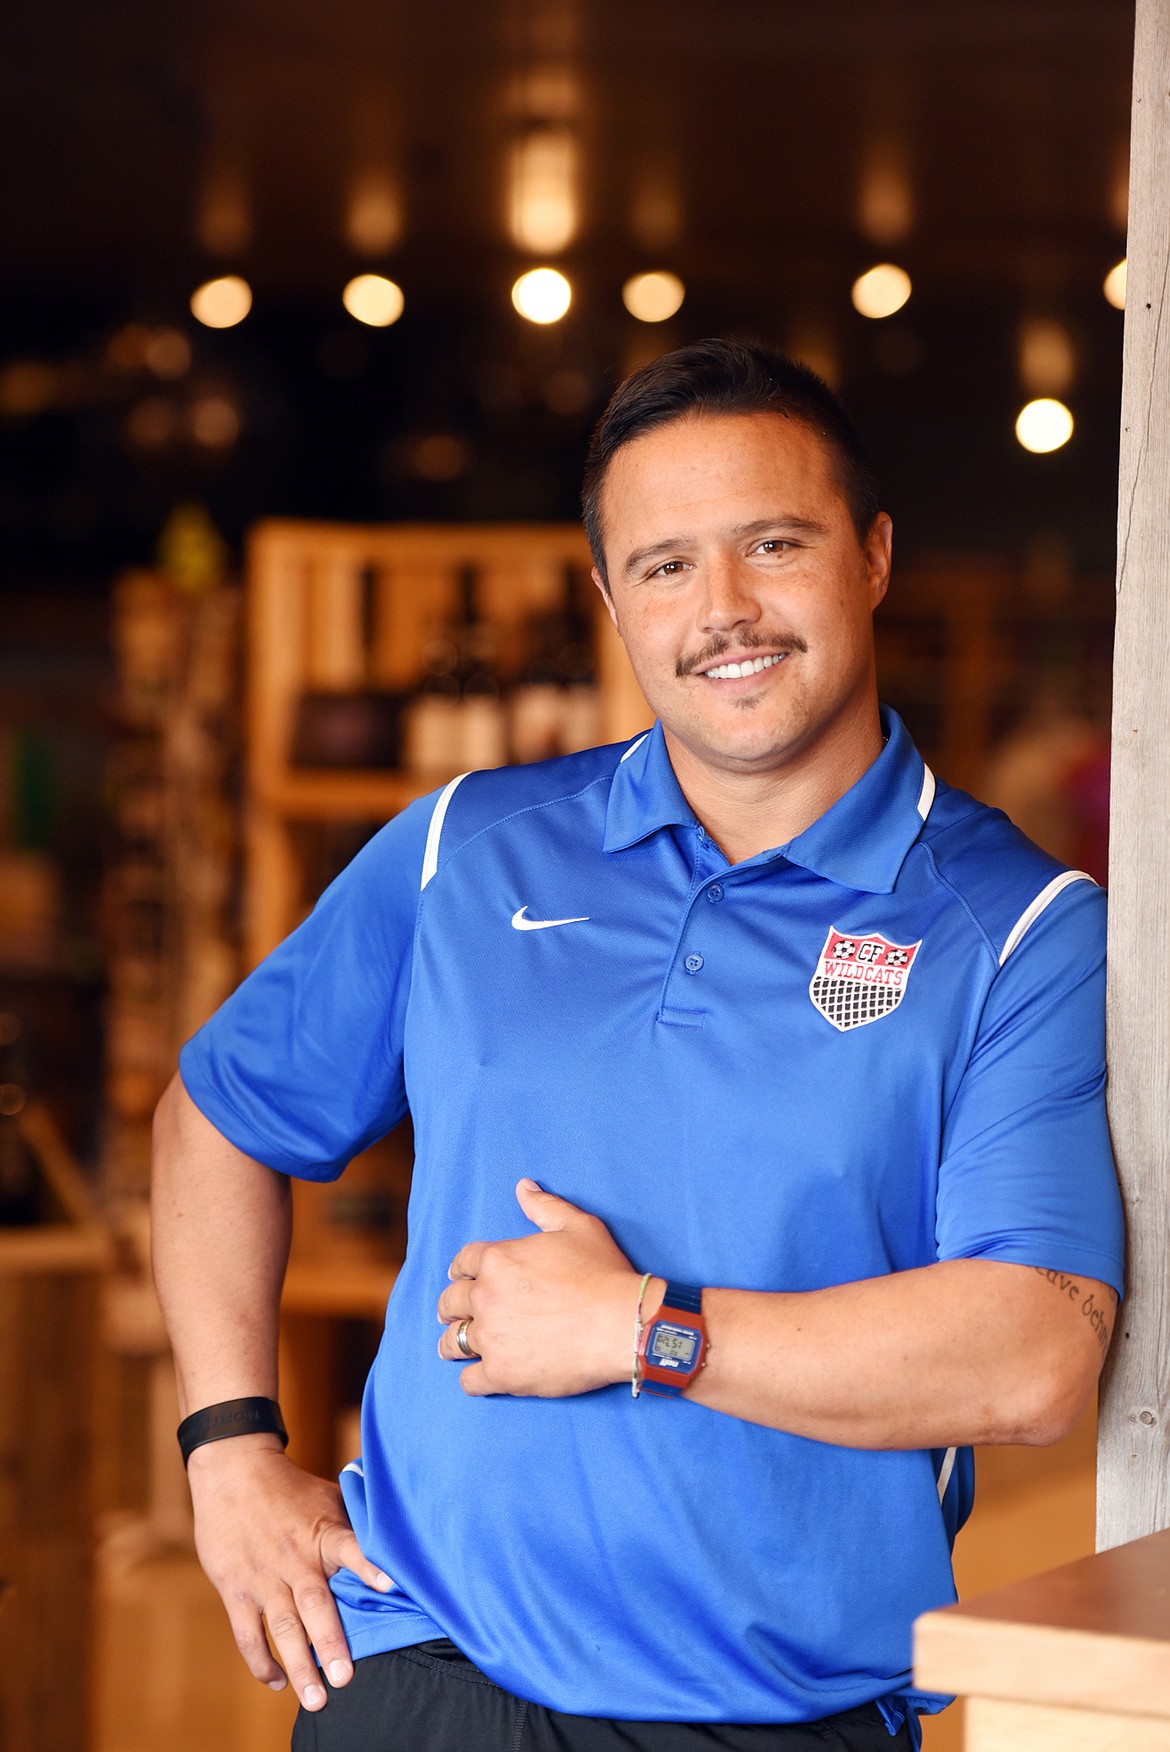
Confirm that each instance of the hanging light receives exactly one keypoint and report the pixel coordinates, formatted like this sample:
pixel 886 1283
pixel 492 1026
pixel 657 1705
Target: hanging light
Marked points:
pixel 222 303
pixel 1114 286
pixel 542 189
pixel 542 295
pixel 653 297
pixel 881 290
pixel 1044 425
pixel 373 299
pixel 373 212
pixel 1047 356
pixel 885 198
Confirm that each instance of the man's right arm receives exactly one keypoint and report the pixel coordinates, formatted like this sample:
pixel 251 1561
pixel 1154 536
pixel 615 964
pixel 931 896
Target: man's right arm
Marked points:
pixel 268 1535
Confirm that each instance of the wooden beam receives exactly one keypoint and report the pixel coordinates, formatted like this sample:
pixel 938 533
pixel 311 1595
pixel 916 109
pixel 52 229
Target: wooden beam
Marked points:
pixel 1133 1492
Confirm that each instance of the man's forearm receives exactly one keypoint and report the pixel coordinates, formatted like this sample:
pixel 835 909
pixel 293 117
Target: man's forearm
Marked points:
pixel 220 1229
pixel 967 1351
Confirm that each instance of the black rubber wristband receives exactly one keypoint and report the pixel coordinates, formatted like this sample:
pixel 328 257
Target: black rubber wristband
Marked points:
pixel 231 1417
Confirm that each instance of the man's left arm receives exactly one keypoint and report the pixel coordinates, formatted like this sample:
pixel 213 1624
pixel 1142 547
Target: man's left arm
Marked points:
pixel 965 1351
pixel 1000 1340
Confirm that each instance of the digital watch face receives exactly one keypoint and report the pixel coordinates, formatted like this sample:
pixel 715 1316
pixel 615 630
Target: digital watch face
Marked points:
pixel 672 1347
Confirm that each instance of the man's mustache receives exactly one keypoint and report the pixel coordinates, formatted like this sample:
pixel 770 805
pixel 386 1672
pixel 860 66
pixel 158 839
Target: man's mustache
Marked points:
pixel 715 648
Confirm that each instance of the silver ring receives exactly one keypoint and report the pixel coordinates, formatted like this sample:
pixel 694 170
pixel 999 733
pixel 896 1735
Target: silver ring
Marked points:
pixel 461 1338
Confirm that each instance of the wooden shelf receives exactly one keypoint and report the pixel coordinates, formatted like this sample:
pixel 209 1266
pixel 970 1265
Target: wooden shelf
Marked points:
pixel 354 1289
pixel 343 794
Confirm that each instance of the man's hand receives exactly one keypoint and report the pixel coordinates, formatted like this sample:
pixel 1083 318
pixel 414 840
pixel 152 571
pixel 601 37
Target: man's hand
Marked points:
pixel 269 1536
pixel 550 1314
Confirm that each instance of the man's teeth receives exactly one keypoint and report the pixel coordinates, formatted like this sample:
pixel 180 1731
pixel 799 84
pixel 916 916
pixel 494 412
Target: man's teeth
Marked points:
pixel 733 671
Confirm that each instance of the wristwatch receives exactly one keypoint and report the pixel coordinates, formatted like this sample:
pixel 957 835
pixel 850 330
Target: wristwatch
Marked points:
pixel 670 1350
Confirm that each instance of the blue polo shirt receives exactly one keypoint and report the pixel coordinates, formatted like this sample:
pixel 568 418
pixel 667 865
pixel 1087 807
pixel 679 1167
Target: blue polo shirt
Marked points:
pixel 878 1046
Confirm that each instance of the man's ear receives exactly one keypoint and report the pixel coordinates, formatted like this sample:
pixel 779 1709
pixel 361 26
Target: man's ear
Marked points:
pixel 879 555
pixel 606 597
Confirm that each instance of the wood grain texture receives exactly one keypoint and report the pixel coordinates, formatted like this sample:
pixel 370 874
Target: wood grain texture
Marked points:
pixel 1133 1495
pixel 49 1383
pixel 1028 1727
pixel 1094 1635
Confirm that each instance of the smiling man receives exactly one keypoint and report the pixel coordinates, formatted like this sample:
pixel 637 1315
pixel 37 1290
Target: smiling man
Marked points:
pixel 798 1057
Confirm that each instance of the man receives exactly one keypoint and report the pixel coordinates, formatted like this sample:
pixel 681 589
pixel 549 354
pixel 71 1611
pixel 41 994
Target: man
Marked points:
pixel 749 1021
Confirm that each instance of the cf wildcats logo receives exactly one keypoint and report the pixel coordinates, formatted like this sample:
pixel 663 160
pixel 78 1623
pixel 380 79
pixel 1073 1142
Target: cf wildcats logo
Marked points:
pixel 860 979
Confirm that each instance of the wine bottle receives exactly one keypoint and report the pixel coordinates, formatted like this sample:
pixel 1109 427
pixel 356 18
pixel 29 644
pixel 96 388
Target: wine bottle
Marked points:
pixel 483 722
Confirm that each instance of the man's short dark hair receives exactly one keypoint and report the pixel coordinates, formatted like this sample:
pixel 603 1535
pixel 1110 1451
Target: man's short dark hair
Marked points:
pixel 726 377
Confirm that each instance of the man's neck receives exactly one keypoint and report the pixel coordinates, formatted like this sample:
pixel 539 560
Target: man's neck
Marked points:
pixel 747 812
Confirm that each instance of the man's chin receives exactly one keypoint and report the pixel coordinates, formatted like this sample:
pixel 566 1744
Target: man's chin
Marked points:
pixel 744 747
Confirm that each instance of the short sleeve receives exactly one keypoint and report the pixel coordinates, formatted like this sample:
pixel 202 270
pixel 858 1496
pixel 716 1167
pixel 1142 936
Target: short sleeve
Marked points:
pixel 301 1068
pixel 1027 1173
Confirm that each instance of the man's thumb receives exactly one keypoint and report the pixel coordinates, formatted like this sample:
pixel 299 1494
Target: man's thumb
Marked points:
pixel 543 1208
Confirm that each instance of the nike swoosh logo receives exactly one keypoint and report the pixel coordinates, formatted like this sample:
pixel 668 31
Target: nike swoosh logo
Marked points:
pixel 520 923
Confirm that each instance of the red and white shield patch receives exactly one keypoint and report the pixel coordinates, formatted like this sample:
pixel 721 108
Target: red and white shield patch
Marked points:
pixel 860 979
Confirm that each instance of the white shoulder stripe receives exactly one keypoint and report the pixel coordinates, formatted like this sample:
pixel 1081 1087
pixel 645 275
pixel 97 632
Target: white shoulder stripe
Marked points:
pixel 354 1466
pixel 1044 899
pixel 926 795
pixel 944 1472
pixel 435 830
pixel 634 746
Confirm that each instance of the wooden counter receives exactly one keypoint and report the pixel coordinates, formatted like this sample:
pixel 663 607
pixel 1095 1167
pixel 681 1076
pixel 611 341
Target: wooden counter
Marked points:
pixel 1076 1659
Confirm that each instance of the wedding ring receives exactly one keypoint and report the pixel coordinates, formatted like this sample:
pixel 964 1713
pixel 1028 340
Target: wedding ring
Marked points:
pixel 461 1339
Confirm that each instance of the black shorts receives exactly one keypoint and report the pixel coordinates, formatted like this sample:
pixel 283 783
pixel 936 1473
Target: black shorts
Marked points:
pixel 430 1698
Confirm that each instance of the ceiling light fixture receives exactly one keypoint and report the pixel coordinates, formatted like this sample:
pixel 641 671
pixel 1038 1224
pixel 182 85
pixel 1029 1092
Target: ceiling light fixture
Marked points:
pixel 374 300
pixel 542 189
pixel 881 290
pixel 653 297
pixel 1114 286
pixel 222 303
pixel 542 295
pixel 1044 425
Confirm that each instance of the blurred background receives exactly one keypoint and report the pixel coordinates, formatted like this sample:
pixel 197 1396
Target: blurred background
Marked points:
pixel 307 313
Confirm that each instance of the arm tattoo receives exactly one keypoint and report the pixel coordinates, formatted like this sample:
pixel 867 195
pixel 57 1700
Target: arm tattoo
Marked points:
pixel 1097 1316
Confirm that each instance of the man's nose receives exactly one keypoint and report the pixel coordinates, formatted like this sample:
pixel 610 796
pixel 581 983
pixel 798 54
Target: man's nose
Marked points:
pixel 729 598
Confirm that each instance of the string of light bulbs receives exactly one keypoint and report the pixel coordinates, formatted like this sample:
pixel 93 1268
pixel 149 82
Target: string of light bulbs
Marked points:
pixel 544 295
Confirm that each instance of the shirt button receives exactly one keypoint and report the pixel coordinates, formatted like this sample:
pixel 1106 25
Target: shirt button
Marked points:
pixel 715 892
pixel 693 963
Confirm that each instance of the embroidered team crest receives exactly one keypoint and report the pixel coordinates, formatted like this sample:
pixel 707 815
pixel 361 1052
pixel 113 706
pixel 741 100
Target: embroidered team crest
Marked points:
pixel 860 979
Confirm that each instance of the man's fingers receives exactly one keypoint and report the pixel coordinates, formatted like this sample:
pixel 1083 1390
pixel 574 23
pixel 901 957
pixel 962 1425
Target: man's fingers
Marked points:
pixel 466 1262
pixel 449 1347
pixel 252 1643
pixel 455 1301
pixel 296 1615
pixel 475 1382
pixel 344 1552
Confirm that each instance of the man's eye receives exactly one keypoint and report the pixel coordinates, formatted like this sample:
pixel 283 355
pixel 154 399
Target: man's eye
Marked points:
pixel 774 543
pixel 668 569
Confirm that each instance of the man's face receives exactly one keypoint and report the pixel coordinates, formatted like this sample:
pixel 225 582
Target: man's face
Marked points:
pixel 728 542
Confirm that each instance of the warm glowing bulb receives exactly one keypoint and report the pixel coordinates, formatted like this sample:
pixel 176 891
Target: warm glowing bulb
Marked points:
pixel 653 297
pixel 373 299
pixel 542 208
pixel 542 295
pixel 1114 287
pixel 221 303
pixel 881 291
pixel 1044 425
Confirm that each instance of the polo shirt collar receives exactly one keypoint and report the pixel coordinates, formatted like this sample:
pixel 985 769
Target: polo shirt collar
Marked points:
pixel 861 842
pixel 644 794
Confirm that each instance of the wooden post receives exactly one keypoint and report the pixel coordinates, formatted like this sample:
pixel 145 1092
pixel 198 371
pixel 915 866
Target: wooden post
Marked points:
pixel 1133 1473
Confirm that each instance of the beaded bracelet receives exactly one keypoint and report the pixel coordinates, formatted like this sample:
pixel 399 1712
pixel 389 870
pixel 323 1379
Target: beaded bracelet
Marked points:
pixel 639 1328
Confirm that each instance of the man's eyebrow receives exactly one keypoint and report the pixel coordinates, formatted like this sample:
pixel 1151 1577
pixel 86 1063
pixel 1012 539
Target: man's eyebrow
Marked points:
pixel 639 557
pixel 786 520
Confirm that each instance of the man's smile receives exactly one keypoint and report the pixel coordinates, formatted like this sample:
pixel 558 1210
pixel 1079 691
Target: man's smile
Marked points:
pixel 736 670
